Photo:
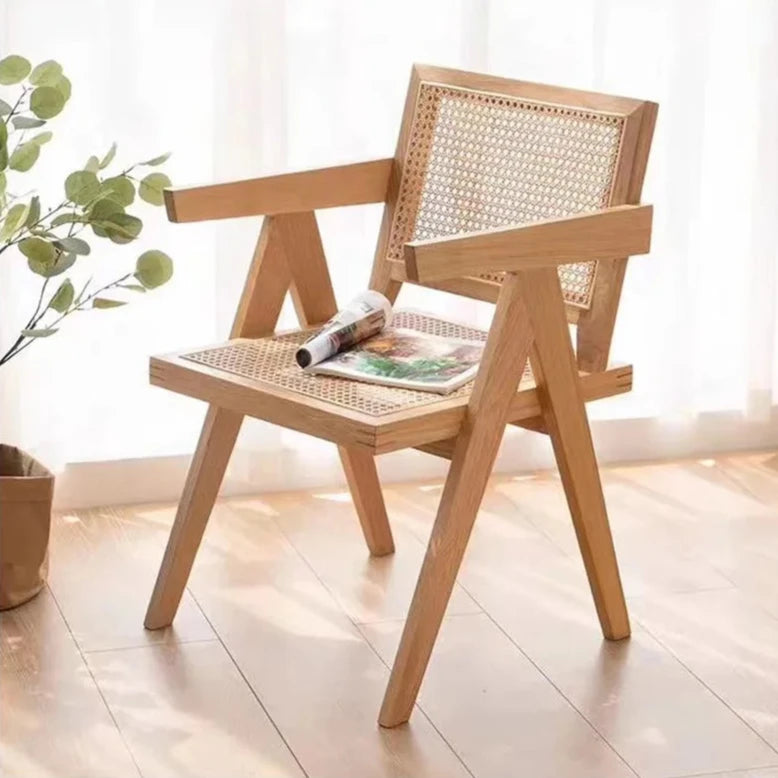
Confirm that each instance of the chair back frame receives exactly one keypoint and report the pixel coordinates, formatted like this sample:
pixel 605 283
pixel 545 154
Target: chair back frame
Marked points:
pixel 595 321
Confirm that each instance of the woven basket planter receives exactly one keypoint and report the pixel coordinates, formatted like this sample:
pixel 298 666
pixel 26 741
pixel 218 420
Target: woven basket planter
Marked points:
pixel 26 492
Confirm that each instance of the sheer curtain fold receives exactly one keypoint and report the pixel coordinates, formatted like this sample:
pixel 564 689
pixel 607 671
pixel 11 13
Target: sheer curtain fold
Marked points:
pixel 241 87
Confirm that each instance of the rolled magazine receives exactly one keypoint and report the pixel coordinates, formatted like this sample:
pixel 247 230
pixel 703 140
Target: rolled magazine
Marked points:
pixel 367 314
pixel 358 344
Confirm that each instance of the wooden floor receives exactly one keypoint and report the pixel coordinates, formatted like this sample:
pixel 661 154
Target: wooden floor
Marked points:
pixel 280 653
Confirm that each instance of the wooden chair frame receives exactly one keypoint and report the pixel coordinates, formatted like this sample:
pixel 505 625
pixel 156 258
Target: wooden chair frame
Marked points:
pixel 530 322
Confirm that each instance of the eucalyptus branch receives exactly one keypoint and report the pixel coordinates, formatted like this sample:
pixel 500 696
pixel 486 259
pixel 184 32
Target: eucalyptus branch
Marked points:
pixel 24 341
pixel 94 198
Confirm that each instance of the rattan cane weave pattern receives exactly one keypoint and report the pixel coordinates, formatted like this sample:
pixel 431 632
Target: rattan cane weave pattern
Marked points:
pixel 271 361
pixel 478 160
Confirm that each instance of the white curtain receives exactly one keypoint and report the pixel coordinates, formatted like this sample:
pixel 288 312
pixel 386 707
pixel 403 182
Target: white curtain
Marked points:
pixel 240 87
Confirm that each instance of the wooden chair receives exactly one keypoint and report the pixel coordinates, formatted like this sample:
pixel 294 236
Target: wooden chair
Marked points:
pixel 516 193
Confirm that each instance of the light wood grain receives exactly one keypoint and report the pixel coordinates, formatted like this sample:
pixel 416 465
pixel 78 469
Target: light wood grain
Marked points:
pixel 381 434
pixel 497 710
pixel 256 315
pixel 105 561
pixel 317 677
pixel 354 184
pixel 217 440
pixel 526 688
pixel 53 721
pixel 702 628
pixel 362 479
pixel 600 235
pixel 502 364
pixel 553 364
pixel 314 302
pixel 312 295
pixel 484 82
pixel 595 327
pixel 321 527
pixel 184 710
pixel 660 718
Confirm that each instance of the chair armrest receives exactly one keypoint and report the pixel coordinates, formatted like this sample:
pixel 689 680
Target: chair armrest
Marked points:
pixel 361 182
pixel 611 233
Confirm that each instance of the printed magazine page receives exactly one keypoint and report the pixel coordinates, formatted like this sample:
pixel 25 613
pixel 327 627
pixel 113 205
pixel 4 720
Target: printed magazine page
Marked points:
pixel 407 359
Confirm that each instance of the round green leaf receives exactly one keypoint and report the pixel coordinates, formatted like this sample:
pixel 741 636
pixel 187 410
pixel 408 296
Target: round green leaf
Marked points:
pixel 63 86
pixel 158 160
pixel 119 188
pixel 108 158
pixel 92 164
pixel 61 263
pixel 81 187
pixel 104 302
pixel 46 102
pixel 5 108
pixel 38 250
pixel 68 218
pixel 26 122
pixel 34 213
pixel 151 187
pixel 63 297
pixel 14 69
pixel 14 219
pixel 76 245
pixel 24 157
pixel 123 228
pixel 46 74
pixel 64 262
pixel 41 138
pixel 101 212
pixel 153 269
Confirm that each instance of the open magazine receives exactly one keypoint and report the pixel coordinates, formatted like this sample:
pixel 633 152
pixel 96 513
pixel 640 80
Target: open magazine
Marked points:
pixel 359 343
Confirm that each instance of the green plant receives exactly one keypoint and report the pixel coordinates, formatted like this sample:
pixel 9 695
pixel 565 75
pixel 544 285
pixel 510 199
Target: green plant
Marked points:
pixel 95 204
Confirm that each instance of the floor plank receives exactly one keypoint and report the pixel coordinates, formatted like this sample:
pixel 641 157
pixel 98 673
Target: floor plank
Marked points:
pixel 317 676
pixel 521 682
pixel 323 527
pixel 185 710
pixel 540 597
pixel 497 710
pixel 727 642
pixel 104 562
pixel 53 721
pixel 768 772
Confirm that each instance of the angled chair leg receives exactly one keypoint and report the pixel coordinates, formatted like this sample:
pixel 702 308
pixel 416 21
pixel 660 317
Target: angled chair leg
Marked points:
pixel 260 304
pixel 206 472
pixel 365 489
pixel 556 373
pixel 471 464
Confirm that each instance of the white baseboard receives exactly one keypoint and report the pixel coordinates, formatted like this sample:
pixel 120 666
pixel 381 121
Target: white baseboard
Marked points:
pixel 160 479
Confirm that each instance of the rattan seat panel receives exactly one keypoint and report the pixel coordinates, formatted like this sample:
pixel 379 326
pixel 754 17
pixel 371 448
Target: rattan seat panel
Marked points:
pixel 271 361
pixel 478 161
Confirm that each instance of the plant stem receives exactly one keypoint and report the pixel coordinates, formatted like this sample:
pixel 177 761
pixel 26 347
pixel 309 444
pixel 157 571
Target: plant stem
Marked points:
pixel 23 342
pixel 16 105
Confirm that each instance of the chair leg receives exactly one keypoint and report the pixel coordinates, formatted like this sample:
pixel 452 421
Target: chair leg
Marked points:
pixel 471 464
pixel 457 512
pixel 556 373
pixel 577 464
pixel 206 472
pixel 365 488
